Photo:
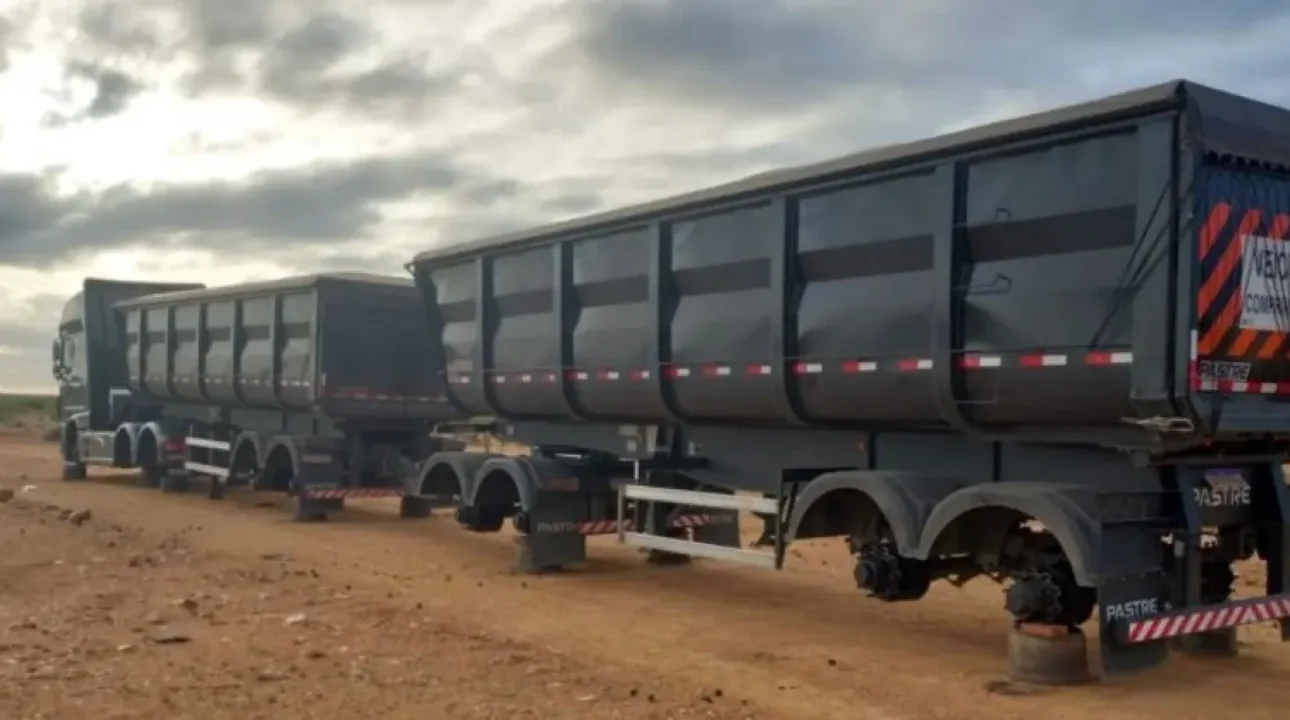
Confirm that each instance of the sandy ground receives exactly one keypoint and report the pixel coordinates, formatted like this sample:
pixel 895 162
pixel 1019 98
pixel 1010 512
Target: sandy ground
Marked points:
pixel 160 606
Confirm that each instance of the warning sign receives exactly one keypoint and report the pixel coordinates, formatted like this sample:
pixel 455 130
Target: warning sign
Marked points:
pixel 1265 283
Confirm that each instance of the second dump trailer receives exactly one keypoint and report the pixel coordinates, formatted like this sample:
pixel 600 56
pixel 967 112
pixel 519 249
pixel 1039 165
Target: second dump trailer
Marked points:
pixel 1051 350
pixel 323 386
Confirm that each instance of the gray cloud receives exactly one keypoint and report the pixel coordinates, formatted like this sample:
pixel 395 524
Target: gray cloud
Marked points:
pixel 325 203
pixel 786 55
pixel 113 91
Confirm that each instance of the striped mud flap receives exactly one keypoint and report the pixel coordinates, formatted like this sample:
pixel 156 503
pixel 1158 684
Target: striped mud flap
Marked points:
pixel 1182 602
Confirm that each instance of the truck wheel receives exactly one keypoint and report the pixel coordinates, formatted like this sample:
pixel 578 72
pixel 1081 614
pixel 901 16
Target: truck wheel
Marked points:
pixel 73 471
pixel 150 476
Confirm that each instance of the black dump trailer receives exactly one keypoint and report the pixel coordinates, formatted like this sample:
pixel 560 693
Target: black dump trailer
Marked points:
pixel 1052 351
pixel 323 386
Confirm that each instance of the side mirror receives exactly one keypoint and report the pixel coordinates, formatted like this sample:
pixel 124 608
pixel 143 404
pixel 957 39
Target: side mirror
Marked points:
pixel 58 350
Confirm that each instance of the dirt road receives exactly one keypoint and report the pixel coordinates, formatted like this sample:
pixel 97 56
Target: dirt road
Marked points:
pixel 161 606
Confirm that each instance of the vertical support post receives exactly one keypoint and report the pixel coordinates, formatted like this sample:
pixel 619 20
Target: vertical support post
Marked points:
pixel 948 280
pixel 565 310
pixel 662 296
pixel 783 322
pixel 485 323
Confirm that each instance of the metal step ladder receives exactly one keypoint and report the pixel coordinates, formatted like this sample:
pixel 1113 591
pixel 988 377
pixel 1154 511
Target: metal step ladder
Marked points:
pixel 210 457
pixel 777 506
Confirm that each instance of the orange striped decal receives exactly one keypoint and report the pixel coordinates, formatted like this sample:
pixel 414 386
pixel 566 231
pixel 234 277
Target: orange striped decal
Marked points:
pixel 1213 226
pixel 1227 264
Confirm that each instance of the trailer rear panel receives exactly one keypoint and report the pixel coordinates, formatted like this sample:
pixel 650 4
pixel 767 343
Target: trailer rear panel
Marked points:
pixel 349 345
pixel 1027 274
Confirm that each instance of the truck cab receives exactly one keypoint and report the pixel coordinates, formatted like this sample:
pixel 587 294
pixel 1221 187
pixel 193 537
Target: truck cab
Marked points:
pixel 86 363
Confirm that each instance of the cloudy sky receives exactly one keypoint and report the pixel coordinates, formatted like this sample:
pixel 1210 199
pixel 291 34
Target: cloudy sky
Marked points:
pixel 222 140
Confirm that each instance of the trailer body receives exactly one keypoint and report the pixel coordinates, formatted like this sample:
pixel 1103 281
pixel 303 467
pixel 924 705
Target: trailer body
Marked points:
pixel 1077 317
pixel 317 384
pixel 348 346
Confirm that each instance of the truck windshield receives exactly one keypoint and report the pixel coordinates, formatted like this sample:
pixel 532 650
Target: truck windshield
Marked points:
pixel 71 364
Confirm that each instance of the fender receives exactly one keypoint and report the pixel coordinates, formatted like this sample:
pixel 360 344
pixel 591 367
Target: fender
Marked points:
pixel 163 432
pixel 293 450
pixel 1069 512
pixel 905 499
pixel 465 466
pixel 131 432
pixel 517 469
pixel 256 441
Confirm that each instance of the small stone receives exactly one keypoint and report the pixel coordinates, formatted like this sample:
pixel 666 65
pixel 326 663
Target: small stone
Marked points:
pixel 79 517
pixel 315 654
pixel 64 513
pixel 189 605
pixel 294 619
pixel 127 647
pixel 169 637
pixel 5 495
pixel 135 561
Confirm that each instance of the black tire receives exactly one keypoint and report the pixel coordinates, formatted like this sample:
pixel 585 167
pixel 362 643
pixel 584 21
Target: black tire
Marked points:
pixel 73 471
pixel 73 468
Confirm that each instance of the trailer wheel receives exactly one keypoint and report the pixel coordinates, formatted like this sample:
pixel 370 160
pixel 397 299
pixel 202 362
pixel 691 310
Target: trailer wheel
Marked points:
pixel 151 473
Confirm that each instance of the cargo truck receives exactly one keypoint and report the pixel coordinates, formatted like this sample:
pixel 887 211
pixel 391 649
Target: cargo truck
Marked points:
pixel 321 386
pixel 1051 351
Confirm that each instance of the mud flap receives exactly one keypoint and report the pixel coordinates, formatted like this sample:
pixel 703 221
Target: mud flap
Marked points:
pixel 1133 585
pixel 549 536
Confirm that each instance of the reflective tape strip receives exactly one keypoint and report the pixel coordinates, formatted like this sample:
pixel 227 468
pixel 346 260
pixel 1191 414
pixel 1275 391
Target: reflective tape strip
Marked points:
pixel 1207 619
pixel 340 493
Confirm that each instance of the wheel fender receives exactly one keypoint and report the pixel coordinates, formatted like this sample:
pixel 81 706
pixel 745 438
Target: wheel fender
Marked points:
pixel 465 465
pixel 517 469
pixel 255 439
pixel 905 499
pixel 163 432
pixel 293 450
pixel 131 431
pixel 1067 511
